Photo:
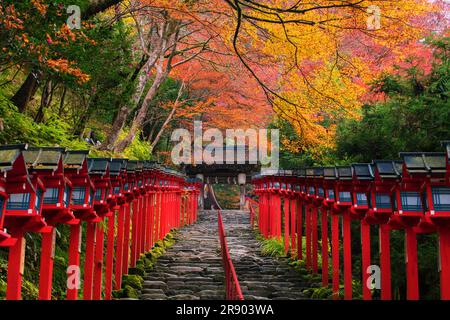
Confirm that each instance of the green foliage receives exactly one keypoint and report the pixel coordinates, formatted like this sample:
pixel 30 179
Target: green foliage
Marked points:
pixel 414 117
pixel 273 247
pixel 19 128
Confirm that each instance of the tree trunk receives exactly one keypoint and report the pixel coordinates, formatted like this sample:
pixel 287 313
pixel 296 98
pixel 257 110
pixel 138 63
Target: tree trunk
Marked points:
pixel 45 101
pixel 26 91
pixel 138 121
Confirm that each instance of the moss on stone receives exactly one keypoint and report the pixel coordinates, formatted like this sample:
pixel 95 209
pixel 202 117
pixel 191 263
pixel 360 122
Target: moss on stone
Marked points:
pixel 133 280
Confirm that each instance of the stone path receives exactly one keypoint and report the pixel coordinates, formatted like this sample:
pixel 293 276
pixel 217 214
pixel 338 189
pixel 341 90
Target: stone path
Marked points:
pixel 260 277
pixel 192 268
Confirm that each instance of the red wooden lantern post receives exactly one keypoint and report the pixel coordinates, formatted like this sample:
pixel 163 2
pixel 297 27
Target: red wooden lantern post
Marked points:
pixel 128 187
pixel 46 164
pixel 328 182
pixel 82 206
pixel 22 213
pixel 362 179
pixel 329 185
pixel 99 174
pixel 300 194
pixel 342 206
pixel 116 203
pixel 285 178
pixel 408 214
pixel 433 169
pixel 382 203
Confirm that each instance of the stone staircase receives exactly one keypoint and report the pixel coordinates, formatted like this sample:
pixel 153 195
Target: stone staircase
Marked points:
pixel 192 268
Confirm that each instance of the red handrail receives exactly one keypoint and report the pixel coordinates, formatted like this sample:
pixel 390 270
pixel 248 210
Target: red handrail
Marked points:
pixel 233 289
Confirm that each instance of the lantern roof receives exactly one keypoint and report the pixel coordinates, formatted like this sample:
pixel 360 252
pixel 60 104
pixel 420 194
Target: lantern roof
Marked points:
pixel 98 165
pixel 9 155
pixel 117 165
pixel 74 159
pixel 388 168
pixel 131 166
pixel 344 172
pixel 330 173
pixel 45 158
pixel 148 164
pixel 301 172
pixel 363 171
pixel 309 172
pixel 318 172
pixel 424 162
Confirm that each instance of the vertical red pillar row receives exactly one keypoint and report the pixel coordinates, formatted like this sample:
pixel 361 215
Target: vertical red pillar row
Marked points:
pixel 74 260
pixel 292 209
pixel 335 254
pixel 365 249
pixel 46 264
pixel 109 267
pixel 412 272
pixel 324 229
pixel 299 230
pixel 98 265
pixel 15 267
pixel 134 233
pixel 286 225
pixel 308 236
pixel 385 262
pixel 89 260
pixel 348 289
pixel 119 247
pixel 126 239
pixel 314 238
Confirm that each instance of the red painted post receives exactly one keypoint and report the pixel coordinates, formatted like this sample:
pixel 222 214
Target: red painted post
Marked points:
pixel 347 256
pixel 444 254
pixel 412 272
pixel 308 236
pixel 385 262
pixel 324 229
pixel 46 266
pixel 89 260
pixel 365 248
pixel 286 225
pixel 119 248
pixel 314 239
pixel 293 245
pixel 134 233
pixel 299 230
pixel 335 253
pixel 109 268
pixel 157 215
pixel 74 258
pixel 126 239
pixel 15 267
pixel 98 266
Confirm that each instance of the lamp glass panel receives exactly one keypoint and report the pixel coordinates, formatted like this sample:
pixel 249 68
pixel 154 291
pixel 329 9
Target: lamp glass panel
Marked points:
pixel 37 201
pixel 411 201
pixel 320 192
pixel 441 198
pixel 18 201
pixel 116 190
pixel 51 196
pixel 98 194
pixel 361 199
pixel 345 196
pixel 311 190
pixel 330 194
pixel 78 195
pixel 383 201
